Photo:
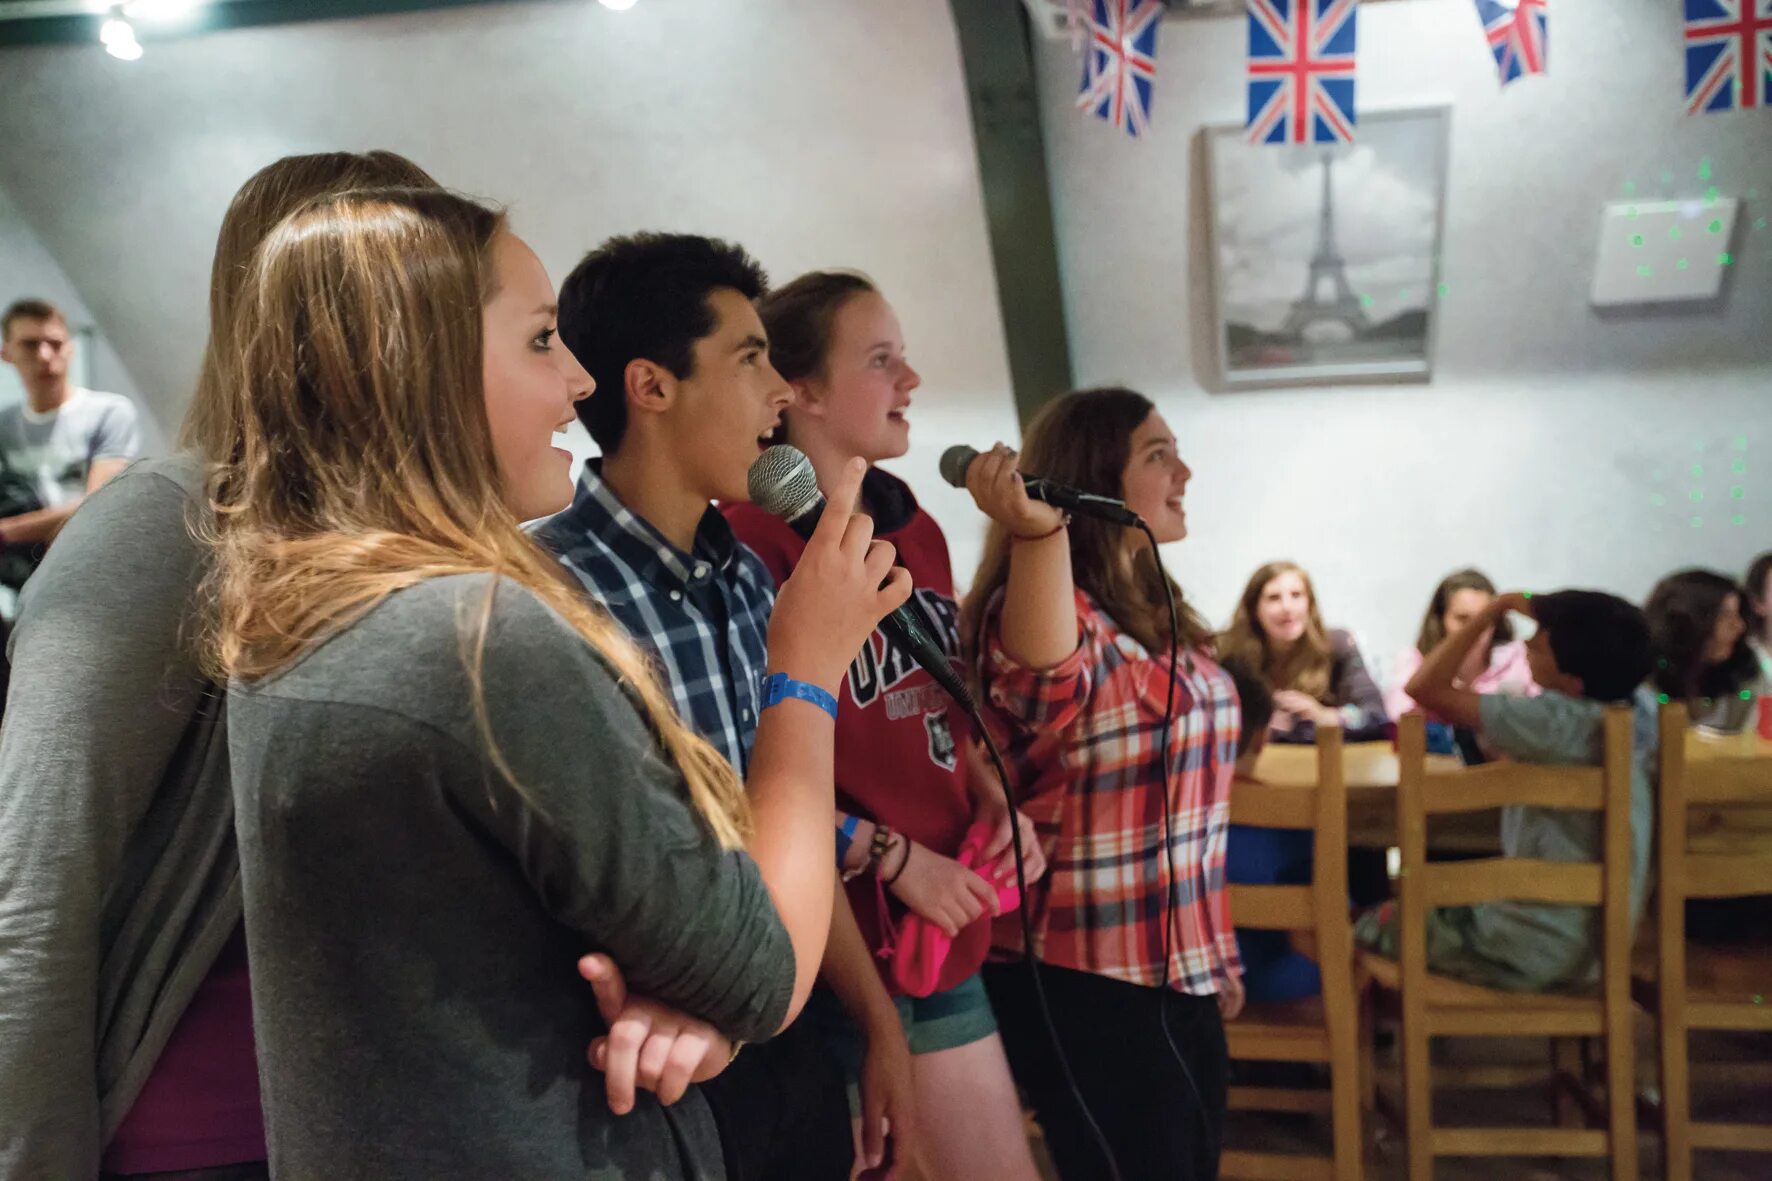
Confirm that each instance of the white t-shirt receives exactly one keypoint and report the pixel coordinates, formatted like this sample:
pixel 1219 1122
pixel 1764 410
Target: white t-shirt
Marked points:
pixel 55 451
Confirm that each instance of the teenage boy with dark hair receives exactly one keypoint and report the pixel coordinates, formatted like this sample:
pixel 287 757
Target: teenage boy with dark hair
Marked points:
pixel 686 400
pixel 1591 650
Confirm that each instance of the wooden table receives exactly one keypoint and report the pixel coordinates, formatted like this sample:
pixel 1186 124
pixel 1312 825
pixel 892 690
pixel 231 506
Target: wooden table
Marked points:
pixel 1372 773
pixel 1745 829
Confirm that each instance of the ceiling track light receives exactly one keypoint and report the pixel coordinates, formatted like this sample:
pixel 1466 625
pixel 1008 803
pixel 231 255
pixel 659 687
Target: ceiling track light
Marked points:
pixel 118 36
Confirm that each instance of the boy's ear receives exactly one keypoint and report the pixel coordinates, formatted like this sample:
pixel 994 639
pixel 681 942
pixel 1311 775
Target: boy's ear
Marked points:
pixel 649 387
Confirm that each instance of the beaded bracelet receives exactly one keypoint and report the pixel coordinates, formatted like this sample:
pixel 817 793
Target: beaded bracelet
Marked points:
pixel 877 846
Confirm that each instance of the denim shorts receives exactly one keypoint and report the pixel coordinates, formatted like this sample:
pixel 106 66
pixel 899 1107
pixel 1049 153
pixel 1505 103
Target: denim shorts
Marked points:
pixel 940 1021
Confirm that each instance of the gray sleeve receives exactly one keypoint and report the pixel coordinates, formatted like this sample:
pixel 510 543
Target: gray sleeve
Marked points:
pixel 602 826
pixel 1549 728
pixel 117 434
pixel 1355 688
pixel 90 727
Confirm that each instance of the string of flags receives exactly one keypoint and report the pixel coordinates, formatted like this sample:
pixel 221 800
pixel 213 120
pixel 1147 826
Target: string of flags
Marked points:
pixel 1301 72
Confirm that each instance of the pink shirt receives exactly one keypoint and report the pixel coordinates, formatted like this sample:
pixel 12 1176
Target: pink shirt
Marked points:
pixel 1507 673
pixel 200 1107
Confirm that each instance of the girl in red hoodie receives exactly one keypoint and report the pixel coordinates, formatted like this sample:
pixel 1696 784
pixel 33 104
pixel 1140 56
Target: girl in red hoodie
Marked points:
pixel 910 784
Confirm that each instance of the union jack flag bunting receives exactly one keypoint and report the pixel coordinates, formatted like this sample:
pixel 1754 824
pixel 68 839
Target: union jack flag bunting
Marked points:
pixel 1728 54
pixel 1120 62
pixel 1301 71
pixel 1519 35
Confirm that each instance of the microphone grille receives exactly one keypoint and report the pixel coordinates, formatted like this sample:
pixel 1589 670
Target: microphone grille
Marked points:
pixel 954 462
pixel 782 481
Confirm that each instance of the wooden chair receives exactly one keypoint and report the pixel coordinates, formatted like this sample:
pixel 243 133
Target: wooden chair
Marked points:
pixel 1326 1029
pixel 1700 987
pixel 1437 1006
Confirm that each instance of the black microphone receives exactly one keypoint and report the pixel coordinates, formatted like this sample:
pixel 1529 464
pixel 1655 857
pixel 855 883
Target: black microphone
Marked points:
pixel 956 459
pixel 783 482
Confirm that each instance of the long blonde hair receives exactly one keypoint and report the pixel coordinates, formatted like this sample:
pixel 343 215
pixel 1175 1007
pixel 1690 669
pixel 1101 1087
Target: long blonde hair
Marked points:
pixel 268 196
pixel 1306 666
pixel 1084 439
pixel 362 462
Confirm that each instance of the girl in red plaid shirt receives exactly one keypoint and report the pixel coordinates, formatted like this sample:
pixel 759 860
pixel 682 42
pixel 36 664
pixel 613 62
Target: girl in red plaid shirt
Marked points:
pixel 1069 629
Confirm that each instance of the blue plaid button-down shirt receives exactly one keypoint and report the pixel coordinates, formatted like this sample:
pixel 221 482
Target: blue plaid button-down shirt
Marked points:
pixel 703 615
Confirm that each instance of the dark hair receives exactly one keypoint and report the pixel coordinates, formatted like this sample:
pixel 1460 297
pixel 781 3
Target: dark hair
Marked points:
pixel 799 317
pixel 268 196
pixel 1084 439
pixel 1256 697
pixel 1598 638
pixel 645 297
pixel 28 309
pixel 1433 625
pixel 1683 610
pixel 1755 585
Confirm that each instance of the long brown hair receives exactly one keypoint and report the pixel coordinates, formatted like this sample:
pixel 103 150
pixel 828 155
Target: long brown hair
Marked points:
pixel 799 318
pixel 1084 439
pixel 1306 667
pixel 268 196
pixel 364 462
pixel 1433 622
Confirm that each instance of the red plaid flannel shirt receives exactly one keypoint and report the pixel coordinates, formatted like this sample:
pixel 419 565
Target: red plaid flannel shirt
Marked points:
pixel 1080 743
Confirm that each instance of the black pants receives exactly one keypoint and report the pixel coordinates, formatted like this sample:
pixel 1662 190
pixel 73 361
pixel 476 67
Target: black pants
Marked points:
pixel 782 1109
pixel 1138 1093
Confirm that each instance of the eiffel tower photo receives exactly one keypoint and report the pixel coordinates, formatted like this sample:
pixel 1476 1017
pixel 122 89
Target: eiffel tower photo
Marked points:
pixel 1327 299
pixel 1326 257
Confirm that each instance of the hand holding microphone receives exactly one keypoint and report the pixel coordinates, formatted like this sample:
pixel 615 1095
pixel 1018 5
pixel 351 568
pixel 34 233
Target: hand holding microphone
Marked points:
pixel 844 584
pixel 784 482
pixel 1002 495
pixel 959 465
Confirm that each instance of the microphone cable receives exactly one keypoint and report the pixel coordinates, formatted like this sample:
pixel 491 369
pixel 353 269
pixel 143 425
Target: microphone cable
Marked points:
pixel 1169 839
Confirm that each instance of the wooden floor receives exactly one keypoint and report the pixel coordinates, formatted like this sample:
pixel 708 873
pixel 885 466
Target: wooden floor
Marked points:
pixel 1733 1082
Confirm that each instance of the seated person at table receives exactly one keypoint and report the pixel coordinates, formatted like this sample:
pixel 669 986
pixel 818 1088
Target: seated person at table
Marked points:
pixel 1590 650
pixel 1756 607
pixel 1317 675
pixel 1702 657
pixel 1497 664
pixel 1273 970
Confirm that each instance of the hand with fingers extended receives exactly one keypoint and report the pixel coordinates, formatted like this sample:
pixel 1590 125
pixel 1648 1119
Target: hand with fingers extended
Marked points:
pixel 843 585
pixel 948 894
pixel 1002 495
pixel 649 1046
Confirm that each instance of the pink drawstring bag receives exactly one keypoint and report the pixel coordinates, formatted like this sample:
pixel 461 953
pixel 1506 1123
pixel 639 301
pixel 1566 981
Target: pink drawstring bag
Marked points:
pixel 919 948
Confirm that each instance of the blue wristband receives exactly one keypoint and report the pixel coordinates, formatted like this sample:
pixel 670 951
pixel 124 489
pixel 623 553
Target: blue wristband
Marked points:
pixel 846 837
pixel 779 687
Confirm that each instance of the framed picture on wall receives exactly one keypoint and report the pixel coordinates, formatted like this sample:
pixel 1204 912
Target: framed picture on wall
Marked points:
pixel 1326 258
